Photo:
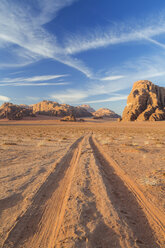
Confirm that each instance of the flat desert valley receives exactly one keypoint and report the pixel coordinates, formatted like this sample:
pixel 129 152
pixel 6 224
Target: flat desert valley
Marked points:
pixel 94 184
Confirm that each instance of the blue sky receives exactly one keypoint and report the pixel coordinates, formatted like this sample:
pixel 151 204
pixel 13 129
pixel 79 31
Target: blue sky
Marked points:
pixel 80 51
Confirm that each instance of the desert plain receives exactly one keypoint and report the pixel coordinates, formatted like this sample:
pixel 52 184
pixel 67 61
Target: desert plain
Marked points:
pixel 95 184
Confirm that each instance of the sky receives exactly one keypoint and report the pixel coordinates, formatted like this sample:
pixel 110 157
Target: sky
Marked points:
pixel 80 51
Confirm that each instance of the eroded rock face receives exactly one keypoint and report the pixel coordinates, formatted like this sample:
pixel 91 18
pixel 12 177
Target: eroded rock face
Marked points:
pixel 88 108
pixel 145 102
pixel 60 110
pixel 105 112
pixel 14 112
pixel 69 118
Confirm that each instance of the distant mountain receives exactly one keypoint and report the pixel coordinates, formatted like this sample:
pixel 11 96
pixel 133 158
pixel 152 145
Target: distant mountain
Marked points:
pixel 105 112
pixel 51 108
pixel 14 112
pixel 88 108
pixel 60 110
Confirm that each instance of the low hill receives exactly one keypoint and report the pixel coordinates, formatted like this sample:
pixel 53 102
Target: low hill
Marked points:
pixel 88 108
pixel 105 112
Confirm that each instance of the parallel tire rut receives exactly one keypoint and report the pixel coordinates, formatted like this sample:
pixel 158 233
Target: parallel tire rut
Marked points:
pixel 40 224
pixel 124 187
pixel 88 201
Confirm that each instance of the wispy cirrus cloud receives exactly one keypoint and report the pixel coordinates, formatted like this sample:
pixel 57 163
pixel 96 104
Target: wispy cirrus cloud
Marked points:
pixel 109 99
pixel 145 67
pixel 34 84
pixel 111 89
pixel 112 78
pixel 25 30
pixel 116 34
pixel 32 79
pixel 25 35
pixel 70 96
pixel 32 98
pixel 80 96
pixel 4 98
pixel 50 8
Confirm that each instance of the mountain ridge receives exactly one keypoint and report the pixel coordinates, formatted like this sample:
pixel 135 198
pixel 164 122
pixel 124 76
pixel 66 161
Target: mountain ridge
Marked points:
pixel 50 108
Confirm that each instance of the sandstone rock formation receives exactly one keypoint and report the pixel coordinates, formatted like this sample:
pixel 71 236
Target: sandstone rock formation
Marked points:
pixel 81 112
pixel 145 102
pixel 14 112
pixel 105 112
pixel 88 108
pixel 97 117
pixel 60 110
pixel 68 118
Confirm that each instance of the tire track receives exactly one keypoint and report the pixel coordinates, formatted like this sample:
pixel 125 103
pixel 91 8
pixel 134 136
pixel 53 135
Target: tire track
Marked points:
pixel 102 212
pixel 87 220
pixel 40 224
pixel 88 201
pixel 130 203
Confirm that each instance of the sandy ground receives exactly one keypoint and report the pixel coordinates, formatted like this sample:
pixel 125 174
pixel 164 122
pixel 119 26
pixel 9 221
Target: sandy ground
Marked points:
pixel 92 184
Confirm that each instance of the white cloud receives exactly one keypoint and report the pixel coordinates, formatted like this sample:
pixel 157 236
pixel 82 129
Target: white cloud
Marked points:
pixel 149 68
pixel 156 42
pixel 33 84
pixel 32 98
pixel 117 34
pixel 24 29
pixel 112 78
pixel 16 72
pixel 70 96
pixel 81 96
pixel 4 99
pixel 142 68
pixel 32 79
pixel 22 26
pixel 17 64
pixel 145 67
pixel 50 8
pixel 109 99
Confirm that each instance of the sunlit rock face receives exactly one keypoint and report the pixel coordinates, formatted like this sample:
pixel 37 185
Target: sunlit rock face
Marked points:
pixel 55 109
pixel 105 112
pixel 14 112
pixel 88 108
pixel 145 102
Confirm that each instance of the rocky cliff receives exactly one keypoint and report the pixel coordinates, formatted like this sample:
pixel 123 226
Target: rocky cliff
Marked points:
pixel 145 102
pixel 88 108
pixel 60 110
pixel 105 112
pixel 14 112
